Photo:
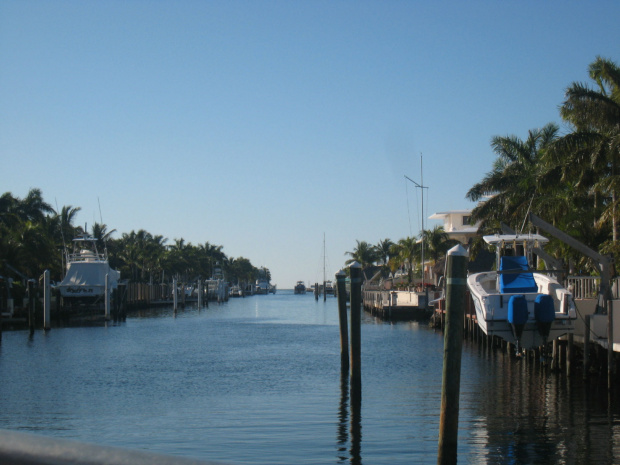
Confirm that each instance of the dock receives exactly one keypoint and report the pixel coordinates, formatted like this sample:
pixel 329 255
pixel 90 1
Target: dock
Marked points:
pixel 399 305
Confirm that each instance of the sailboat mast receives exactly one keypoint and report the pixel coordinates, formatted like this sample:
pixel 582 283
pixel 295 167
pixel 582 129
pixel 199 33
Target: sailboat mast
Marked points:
pixel 324 281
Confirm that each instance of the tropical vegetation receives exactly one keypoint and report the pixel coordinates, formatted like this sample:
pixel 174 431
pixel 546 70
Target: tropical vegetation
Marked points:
pixel 33 236
pixel 570 180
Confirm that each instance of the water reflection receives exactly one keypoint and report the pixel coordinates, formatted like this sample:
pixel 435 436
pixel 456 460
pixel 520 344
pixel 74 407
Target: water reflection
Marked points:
pixel 526 413
pixel 350 389
pixel 343 418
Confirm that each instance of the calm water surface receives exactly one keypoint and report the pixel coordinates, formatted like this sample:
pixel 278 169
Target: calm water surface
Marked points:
pixel 257 381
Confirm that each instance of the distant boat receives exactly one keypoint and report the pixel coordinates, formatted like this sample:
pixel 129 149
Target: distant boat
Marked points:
pixel 300 287
pixel 86 272
pixel 235 291
pixel 518 303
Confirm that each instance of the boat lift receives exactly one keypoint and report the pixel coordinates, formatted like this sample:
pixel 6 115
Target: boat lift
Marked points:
pixel 604 265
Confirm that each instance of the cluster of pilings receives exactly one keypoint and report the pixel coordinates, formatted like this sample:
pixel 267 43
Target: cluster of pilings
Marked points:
pixel 561 354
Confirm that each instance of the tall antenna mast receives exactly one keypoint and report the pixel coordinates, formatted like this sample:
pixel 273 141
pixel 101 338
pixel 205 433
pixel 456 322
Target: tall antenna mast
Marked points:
pixel 422 187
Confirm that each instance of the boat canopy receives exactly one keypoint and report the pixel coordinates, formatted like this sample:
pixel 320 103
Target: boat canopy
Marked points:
pixel 513 283
pixel 500 239
pixel 85 274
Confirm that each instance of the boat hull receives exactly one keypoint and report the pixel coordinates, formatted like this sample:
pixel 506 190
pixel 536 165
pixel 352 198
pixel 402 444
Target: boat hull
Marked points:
pixel 492 313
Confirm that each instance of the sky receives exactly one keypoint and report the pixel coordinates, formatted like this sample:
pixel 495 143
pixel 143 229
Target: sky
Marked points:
pixel 281 130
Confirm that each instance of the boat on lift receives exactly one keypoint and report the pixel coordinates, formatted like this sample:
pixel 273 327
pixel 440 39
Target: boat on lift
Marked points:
pixel 522 305
pixel 86 270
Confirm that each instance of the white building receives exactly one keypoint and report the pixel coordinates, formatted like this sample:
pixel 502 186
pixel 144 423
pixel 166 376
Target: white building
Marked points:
pixel 456 224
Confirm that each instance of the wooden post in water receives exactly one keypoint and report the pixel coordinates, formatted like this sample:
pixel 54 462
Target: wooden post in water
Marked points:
pixel 610 342
pixel 569 354
pixel 174 295
pixel 199 293
pixel 586 348
pixel 555 355
pixel 456 273
pixel 356 320
pixel 31 301
pixel 342 314
pixel 47 300
pixel 106 300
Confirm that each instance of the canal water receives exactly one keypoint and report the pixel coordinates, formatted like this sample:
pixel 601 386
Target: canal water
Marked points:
pixel 257 380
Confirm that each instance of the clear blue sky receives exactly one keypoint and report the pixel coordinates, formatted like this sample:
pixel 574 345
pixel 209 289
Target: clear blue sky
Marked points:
pixel 263 125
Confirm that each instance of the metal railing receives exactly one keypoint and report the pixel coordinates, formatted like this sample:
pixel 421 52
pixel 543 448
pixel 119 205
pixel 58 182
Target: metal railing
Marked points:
pixel 29 449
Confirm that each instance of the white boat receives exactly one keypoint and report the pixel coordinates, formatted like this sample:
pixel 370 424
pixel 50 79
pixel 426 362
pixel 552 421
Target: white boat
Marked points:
pixel 521 305
pixel 86 271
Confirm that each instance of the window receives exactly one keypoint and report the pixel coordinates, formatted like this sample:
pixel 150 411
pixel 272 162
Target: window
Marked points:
pixel 466 220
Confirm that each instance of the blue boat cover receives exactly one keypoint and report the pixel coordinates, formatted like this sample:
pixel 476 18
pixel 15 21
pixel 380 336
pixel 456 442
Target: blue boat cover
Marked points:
pixel 513 283
pixel 517 310
pixel 544 312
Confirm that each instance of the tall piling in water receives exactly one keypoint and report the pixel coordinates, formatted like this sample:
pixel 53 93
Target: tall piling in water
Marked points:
pixel 174 294
pixel 47 300
pixel 344 325
pixel 106 300
pixel 356 320
pixel 31 305
pixel 456 272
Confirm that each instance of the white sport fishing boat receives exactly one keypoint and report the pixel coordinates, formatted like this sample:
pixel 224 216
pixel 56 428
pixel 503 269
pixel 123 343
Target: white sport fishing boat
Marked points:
pixel 519 304
pixel 86 271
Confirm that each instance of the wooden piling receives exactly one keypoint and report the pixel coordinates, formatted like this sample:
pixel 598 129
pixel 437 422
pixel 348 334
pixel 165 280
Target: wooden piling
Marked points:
pixel 344 326
pixel 31 302
pixel 610 343
pixel 106 299
pixel 174 295
pixel 569 353
pixel 356 320
pixel 47 304
pixel 554 355
pixel 456 273
pixel 586 348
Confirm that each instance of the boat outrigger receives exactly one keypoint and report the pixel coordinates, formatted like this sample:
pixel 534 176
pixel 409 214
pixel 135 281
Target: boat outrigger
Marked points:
pixel 517 303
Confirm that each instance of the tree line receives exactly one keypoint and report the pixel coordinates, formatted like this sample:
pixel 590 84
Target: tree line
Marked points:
pixel 406 254
pixel 33 236
pixel 571 180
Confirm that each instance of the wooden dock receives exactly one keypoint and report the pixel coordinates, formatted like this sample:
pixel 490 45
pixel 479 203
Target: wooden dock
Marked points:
pixel 396 305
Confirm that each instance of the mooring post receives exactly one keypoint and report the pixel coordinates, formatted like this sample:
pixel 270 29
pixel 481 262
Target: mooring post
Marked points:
pixel 199 294
pixel 106 300
pixel 31 301
pixel 344 326
pixel 554 355
pixel 356 320
pixel 47 300
pixel 174 294
pixel 610 342
pixel 569 353
pixel 586 348
pixel 456 273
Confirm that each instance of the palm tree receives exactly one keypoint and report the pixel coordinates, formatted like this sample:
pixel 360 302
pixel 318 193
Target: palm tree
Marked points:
pixel 101 233
pixel 589 155
pixel 518 175
pixel 437 242
pixel 384 250
pixel 33 207
pixel 409 251
pixel 364 253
